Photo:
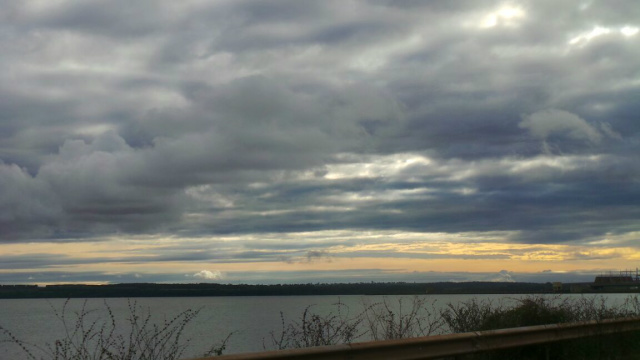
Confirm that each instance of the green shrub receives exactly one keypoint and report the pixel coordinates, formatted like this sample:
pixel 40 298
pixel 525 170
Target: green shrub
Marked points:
pixel 479 315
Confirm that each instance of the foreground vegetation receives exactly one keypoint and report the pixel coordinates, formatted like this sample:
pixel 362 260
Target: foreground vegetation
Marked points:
pixel 477 315
pixel 91 336
pixel 385 321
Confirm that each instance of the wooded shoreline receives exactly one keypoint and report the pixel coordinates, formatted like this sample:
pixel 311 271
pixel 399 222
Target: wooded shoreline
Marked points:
pixel 214 289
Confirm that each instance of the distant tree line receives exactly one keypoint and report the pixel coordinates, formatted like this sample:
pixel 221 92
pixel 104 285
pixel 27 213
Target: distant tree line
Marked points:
pixel 214 289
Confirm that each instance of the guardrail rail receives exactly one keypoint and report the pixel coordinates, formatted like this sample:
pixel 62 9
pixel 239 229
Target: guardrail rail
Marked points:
pixel 439 346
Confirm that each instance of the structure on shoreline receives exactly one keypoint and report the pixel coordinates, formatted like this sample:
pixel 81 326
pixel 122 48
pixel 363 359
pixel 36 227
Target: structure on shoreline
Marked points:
pixel 624 280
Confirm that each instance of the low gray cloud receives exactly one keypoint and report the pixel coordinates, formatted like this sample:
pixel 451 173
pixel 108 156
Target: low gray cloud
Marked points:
pixel 543 124
pixel 209 275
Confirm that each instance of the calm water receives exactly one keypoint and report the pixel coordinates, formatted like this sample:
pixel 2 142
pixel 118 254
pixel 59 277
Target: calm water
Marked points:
pixel 250 318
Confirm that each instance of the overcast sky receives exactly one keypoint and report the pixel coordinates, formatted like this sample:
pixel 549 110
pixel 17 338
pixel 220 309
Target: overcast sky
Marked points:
pixel 311 141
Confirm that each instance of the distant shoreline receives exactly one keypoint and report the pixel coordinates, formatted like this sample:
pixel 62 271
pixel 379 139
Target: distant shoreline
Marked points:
pixel 212 289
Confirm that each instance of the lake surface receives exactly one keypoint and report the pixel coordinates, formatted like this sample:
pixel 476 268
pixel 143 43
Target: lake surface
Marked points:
pixel 251 319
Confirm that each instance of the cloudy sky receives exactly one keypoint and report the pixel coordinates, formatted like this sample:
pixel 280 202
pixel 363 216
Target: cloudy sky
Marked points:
pixel 312 141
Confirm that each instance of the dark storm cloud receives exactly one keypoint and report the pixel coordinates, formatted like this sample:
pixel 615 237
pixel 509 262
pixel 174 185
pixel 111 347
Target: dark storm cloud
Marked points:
pixel 546 203
pixel 232 117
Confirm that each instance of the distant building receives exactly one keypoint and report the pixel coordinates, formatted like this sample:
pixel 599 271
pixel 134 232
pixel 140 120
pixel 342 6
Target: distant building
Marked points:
pixel 613 279
pixel 557 286
pixel 625 280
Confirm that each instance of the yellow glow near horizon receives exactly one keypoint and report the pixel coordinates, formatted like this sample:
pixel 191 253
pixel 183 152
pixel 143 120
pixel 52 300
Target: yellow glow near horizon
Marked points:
pixel 386 251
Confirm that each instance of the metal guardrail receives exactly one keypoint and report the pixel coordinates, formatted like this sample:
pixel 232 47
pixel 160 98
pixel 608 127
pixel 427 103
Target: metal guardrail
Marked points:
pixel 434 347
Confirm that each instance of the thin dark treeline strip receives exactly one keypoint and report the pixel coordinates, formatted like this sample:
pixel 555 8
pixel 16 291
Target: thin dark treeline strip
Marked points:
pixel 212 289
